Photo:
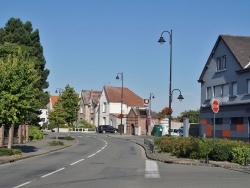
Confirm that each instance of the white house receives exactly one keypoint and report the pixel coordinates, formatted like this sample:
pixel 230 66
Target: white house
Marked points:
pixel 108 111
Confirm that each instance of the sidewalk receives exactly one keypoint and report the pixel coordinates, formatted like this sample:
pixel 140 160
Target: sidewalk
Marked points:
pixel 35 148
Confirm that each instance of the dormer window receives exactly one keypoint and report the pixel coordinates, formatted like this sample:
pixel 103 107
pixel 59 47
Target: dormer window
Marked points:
pixel 221 63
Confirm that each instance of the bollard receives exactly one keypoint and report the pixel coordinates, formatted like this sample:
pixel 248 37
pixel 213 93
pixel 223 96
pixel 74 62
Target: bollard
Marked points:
pixel 246 160
pixel 207 161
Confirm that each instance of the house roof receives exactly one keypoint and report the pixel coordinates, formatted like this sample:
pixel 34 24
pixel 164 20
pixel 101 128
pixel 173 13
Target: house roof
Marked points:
pixel 114 95
pixel 53 100
pixel 88 95
pixel 143 113
pixel 238 45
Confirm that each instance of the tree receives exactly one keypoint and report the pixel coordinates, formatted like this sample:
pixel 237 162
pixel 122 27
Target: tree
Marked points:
pixel 57 115
pixel 70 100
pixel 192 115
pixel 22 35
pixel 18 93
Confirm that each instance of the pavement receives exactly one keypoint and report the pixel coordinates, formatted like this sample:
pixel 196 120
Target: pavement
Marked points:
pixel 41 147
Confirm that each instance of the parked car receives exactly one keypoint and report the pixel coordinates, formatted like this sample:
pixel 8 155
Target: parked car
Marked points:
pixel 107 129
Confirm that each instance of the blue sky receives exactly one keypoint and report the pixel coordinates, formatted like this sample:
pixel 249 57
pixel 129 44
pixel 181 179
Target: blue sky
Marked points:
pixel 87 42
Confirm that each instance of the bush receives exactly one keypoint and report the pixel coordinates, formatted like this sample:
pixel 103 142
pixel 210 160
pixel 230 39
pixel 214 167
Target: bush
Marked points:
pixel 197 148
pixel 9 152
pixel 201 147
pixel 69 138
pixel 35 133
pixel 239 154
pixel 85 124
pixel 56 143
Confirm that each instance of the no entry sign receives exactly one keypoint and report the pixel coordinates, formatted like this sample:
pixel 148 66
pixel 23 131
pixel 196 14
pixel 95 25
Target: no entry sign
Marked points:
pixel 215 106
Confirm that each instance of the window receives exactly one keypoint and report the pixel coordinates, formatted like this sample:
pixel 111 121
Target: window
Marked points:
pixel 104 107
pixel 209 93
pixel 237 120
pixel 225 90
pixel 234 88
pixel 248 86
pixel 104 121
pixel 221 63
pixel 217 91
pixel 218 121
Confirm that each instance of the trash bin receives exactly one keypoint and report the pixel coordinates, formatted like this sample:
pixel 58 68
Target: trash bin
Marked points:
pixel 157 131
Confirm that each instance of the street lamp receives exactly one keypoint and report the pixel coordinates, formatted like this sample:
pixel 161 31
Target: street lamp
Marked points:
pixel 161 41
pixel 180 97
pixel 151 95
pixel 59 90
pixel 117 77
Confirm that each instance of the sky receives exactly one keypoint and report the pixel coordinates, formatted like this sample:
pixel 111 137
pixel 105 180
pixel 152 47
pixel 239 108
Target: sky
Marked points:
pixel 87 42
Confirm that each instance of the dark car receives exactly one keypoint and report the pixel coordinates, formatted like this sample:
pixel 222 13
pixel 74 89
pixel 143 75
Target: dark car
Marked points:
pixel 107 129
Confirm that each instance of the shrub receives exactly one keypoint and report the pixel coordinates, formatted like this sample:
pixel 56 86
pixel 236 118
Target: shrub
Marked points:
pixel 56 143
pixel 238 154
pixel 9 152
pixel 201 147
pixel 69 138
pixel 35 133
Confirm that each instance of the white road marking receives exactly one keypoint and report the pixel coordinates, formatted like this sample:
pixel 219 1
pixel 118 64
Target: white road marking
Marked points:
pixel 77 162
pixel 53 172
pixel 151 169
pixel 22 184
pixel 91 155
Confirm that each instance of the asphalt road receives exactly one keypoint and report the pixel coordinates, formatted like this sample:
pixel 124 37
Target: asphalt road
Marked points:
pixel 101 161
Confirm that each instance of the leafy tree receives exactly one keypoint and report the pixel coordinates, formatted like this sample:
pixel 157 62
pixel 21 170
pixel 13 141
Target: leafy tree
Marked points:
pixel 70 100
pixel 17 34
pixel 192 115
pixel 57 115
pixel 18 93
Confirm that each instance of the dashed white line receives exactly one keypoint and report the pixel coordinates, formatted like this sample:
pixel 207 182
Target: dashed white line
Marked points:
pixel 22 184
pixel 76 162
pixel 53 172
pixel 151 169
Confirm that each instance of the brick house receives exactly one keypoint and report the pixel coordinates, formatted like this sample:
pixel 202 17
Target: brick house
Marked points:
pixel 137 121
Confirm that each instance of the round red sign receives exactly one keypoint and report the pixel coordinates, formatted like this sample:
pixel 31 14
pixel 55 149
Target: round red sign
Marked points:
pixel 215 106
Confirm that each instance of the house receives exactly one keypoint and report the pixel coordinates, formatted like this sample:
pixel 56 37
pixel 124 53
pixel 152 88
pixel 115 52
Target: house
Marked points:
pixel 43 116
pixel 52 102
pixel 89 100
pixel 109 109
pixel 226 78
pixel 137 121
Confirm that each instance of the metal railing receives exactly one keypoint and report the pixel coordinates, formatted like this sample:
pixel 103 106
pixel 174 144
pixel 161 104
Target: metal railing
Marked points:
pixel 150 145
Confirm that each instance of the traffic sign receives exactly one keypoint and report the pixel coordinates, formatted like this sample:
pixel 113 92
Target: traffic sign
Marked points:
pixel 215 106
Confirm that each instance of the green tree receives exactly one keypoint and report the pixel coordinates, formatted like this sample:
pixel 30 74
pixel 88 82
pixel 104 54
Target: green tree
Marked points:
pixel 70 100
pixel 18 93
pixel 192 115
pixel 21 34
pixel 57 115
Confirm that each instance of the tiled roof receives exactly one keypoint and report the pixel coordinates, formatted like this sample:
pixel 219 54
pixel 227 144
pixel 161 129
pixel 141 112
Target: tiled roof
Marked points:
pixel 129 97
pixel 240 47
pixel 53 100
pixel 91 94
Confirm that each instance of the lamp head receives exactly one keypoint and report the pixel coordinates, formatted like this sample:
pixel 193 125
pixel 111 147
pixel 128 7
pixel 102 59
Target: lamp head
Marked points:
pixel 153 97
pixel 161 40
pixel 117 77
pixel 180 97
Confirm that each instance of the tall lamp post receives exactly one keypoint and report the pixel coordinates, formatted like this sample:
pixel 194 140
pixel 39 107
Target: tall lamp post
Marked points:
pixel 59 90
pixel 117 77
pixel 151 96
pixel 161 41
